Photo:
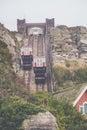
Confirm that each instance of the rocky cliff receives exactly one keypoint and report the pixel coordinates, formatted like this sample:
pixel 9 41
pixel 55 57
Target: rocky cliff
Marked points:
pixel 8 38
pixel 12 43
pixel 69 52
pixel 9 62
pixel 69 44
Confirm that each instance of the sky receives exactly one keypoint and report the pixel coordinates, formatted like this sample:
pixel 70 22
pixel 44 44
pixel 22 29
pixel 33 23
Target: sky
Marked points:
pixel 65 12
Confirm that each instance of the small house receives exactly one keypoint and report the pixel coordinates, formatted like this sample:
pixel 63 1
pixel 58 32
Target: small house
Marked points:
pixel 81 102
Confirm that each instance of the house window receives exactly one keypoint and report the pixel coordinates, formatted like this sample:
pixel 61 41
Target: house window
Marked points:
pixel 81 109
pixel 85 108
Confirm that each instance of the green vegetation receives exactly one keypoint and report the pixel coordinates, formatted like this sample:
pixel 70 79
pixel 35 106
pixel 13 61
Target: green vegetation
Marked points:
pixel 81 75
pixel 7 75
pixel 67 116
pixel 63 75
pixel 5 56
pixel 67 64
pixel 14 110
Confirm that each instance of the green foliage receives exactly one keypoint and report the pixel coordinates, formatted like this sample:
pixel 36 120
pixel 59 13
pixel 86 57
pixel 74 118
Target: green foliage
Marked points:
pixel 14 111
pixel 3 44
pixel 81 75
pixel 7 76
pixel 67 64
pixel 64 112
pixel 62 75
pixel 67 116
pixel 40 98
pixel 2 100
pixel 5 56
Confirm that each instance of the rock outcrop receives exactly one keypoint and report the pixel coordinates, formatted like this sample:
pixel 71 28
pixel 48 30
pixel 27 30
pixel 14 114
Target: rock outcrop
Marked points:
pixel 68 44
pixel 12 43
pixel 8 38
pixel 41 121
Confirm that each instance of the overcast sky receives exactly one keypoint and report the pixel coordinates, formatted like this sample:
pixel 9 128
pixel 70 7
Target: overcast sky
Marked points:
pixel 66 12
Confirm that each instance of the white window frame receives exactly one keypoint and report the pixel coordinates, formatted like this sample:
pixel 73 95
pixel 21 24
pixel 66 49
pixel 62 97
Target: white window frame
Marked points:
pixel 82 106
pixel 80 109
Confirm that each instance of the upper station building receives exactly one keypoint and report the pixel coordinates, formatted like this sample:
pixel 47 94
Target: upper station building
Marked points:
pixel 22 26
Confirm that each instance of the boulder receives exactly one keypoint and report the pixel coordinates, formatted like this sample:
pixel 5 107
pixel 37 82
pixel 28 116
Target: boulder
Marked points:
pixel 41 121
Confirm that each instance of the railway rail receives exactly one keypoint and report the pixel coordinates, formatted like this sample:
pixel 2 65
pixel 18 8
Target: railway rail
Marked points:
pixel 27 78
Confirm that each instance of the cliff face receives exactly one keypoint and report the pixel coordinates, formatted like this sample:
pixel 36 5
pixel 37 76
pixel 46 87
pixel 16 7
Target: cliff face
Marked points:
pixel 8 61
pixel 12 44
pixel 69 52
pixel 9 39
pixel 68 44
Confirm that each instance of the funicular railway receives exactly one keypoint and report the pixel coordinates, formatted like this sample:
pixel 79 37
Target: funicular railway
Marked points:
pixel 34 55
pixel 33 58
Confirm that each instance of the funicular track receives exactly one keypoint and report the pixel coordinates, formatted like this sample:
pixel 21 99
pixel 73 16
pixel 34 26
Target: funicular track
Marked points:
pixel 40 52
pixel 40 46
pixel 34 76
pixel 27 72
pixel 27 79
pixel 40 31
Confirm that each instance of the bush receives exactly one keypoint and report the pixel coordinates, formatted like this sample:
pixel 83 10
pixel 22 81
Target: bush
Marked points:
pixel 14 112
pixel 5 55
pixel 62 75
pixel 67 64
pixel 67 116
pixel 81 75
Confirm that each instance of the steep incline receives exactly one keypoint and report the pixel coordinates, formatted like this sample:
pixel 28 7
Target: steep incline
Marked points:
pixel 69 44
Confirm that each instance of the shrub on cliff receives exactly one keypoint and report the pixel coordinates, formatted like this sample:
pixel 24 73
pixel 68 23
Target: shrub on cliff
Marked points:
pixel 62 75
